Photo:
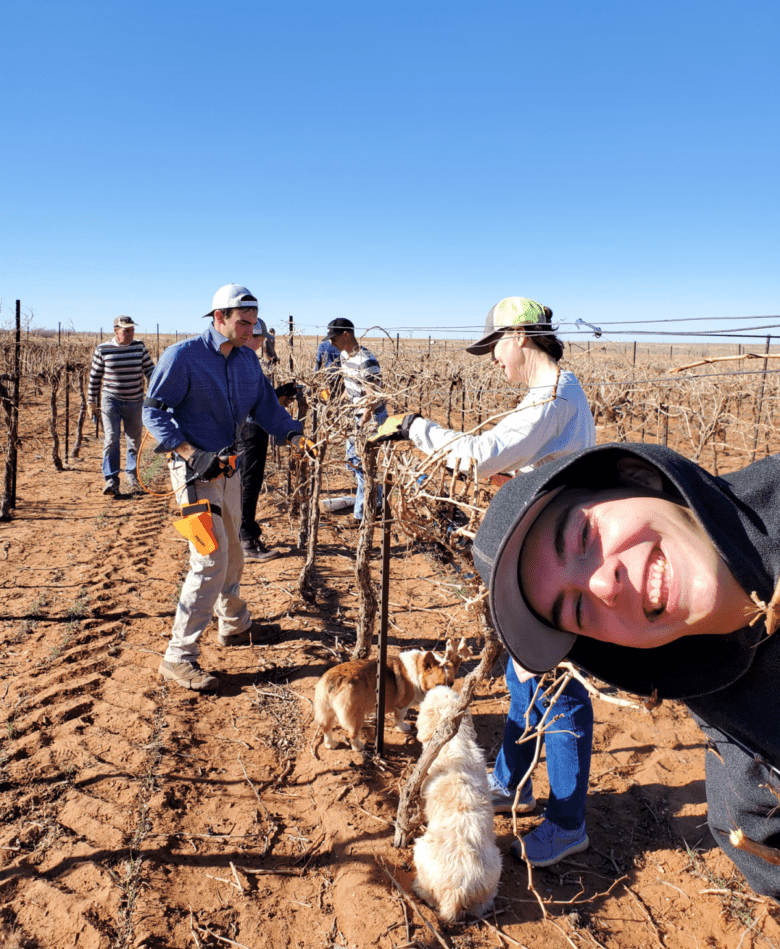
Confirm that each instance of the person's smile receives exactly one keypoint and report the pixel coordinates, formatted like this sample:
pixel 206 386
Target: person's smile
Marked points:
pixel 625 568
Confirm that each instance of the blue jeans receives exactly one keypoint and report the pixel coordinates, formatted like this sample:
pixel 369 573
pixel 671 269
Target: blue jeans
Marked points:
pixel 116 413
pixel 568 755
pixel 354 465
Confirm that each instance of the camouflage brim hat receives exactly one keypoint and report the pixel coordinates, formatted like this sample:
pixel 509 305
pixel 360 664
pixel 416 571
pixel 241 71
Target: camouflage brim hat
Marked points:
pixel 505 315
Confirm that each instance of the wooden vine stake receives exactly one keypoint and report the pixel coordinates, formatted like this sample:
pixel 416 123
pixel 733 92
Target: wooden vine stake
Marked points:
pixel 305 586
pixel 82 416
pixel 11 408
pixel 55 439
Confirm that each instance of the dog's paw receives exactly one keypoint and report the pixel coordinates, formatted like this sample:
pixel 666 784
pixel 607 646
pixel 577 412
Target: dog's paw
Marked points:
pixel 331 742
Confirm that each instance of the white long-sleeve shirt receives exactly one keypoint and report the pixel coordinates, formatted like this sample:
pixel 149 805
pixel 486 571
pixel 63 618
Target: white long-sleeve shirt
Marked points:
pixel 539 430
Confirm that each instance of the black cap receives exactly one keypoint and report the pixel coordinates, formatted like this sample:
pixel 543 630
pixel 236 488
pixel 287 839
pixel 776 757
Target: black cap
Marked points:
pixel 338 326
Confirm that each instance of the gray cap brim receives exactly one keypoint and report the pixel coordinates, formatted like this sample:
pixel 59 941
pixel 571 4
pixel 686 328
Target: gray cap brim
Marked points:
pixel 535 645
pixel 486 344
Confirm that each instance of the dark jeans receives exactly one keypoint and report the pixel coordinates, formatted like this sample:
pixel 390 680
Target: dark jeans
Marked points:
pixel 252 448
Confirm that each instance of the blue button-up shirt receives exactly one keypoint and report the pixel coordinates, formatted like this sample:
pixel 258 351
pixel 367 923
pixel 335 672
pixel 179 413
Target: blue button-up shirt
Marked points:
pixel 208 396
pixel 327 355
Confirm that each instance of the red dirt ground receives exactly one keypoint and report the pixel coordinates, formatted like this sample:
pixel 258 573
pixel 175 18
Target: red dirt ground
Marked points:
pixel 135 814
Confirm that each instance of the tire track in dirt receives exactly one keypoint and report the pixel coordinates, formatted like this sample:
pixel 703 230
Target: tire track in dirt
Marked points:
pixel 82 726
pixel 108 780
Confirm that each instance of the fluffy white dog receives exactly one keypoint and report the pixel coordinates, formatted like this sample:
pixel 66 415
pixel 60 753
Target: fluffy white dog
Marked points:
pixel 458 862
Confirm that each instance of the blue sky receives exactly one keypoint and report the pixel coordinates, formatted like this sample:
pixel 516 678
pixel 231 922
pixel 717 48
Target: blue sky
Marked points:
pixel 404 164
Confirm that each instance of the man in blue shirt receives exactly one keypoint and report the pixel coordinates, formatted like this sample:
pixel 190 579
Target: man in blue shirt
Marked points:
pixel 202 390
pixel 327 356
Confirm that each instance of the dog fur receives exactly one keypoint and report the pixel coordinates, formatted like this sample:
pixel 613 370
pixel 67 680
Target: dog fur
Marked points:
pixel 347 693
pixel 457 860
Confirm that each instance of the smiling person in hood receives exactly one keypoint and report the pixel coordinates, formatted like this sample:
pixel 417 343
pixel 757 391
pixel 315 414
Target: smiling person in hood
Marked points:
pixel 643 569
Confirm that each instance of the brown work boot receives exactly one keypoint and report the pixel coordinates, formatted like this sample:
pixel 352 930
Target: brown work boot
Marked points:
pixel 256 635
pixel 188 675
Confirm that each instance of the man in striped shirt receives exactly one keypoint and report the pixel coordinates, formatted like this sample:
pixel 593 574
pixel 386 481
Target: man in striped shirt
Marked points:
pixel 118 368
pixel 362 380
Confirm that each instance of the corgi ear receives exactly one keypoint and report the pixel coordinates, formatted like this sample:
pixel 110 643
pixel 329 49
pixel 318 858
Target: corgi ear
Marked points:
pixel 450 653
pixel 429 660
pixel 464 650
pixel 461 655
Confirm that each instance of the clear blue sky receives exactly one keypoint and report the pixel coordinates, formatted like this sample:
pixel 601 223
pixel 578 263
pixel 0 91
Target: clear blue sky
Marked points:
pixel 404 164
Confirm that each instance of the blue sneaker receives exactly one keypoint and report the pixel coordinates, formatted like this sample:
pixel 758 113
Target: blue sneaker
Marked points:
pixel 502 800
pixel 549 843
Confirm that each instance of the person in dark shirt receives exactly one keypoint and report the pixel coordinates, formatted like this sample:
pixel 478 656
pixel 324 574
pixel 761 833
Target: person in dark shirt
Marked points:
pixel 269 347
pixel 654 576
pixel 252 446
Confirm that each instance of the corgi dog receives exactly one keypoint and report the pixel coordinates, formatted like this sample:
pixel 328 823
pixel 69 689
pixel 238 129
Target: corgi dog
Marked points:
pixel 347 693
pixel 457 860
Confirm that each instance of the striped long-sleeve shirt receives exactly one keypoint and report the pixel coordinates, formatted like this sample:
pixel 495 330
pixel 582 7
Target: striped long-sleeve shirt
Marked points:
pixel 120 370
pixel 363 380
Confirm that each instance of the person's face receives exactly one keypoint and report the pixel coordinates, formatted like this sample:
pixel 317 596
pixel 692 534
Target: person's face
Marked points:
pixel 508 353
pixel 340 341
pixel 124 334
pixel 255 342
pixel 633 570
pixel 237 328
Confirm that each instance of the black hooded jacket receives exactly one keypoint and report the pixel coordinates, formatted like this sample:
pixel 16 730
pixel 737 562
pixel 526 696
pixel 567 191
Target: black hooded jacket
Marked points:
pixel 732 681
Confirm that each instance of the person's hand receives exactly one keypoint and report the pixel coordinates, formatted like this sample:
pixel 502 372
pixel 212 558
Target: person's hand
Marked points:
pixel 207 465
pixel 92 408
pixel 303 446
pixel 522 674
pixel 395 428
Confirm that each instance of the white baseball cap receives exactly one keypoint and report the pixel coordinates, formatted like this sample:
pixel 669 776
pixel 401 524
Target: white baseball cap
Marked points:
pixel 231 295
